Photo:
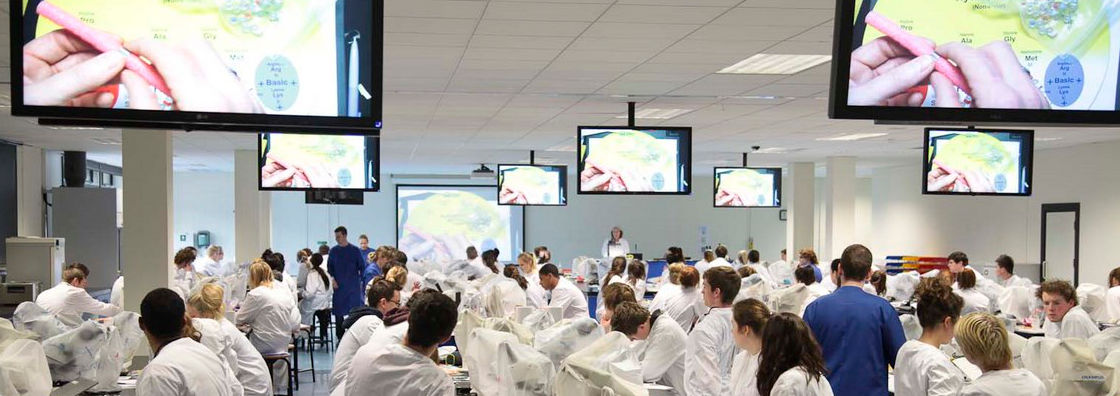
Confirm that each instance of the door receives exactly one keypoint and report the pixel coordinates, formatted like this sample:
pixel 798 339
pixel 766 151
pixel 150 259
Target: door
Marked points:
pixel 1060 238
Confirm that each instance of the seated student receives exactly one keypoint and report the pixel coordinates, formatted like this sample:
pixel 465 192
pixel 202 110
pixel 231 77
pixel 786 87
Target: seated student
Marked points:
pixel 247 364
pixel 317 296
pixel 268 310
pixel 612 295
pixel 781 270
pixel 1112 297
pixel 384 298
pixel 1064 318
pixel 68 300
pixel 282 280
pixel 399 276
pixel 529 270
pixel 1005 271
pixel 711 349
pixel 974 300
pixel 790 362
pixel 180 365
pixel 721 258
pixel 687 305
pixel 211 264
pixel 833 281
pixel 670 284
pixel 750 318
pixel 661 354
pixel 185 276
pixel 805 276
pixel 921 368
pixel 636 278
pixel 406 368
pixel 564 293
pixel 745 271
pixel 983 340
pixel 753 260
pixel 877 284
pixel 543 255
pixel 705 261
pixel 807 257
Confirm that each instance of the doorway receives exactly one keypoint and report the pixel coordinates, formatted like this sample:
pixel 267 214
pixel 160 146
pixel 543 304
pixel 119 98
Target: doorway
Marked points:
pixel 1060 244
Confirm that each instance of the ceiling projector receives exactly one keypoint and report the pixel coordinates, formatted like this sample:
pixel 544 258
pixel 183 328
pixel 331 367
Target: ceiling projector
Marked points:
pixel 482 173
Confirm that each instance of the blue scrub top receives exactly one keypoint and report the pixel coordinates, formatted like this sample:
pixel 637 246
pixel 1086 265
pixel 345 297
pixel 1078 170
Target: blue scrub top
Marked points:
pixel 860 335
pixel 346 265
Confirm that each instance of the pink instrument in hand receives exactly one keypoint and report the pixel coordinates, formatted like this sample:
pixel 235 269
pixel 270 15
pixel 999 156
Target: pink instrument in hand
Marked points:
pixel 104 42
pixel 918 47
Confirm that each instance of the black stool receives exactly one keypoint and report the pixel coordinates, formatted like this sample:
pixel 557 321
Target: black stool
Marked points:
pixel 271 359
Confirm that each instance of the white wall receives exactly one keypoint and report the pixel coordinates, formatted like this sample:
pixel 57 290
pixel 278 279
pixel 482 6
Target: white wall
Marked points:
pixel 204 201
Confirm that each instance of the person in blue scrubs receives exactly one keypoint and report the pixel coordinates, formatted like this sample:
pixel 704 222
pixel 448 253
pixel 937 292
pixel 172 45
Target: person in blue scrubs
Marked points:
pixel 859 333
pixel 345 264
pixel 371 269
pixel 807 257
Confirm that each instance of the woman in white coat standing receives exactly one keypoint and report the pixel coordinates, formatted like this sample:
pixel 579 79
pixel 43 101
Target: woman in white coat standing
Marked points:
pixel 615 245
pixel 317 296
pixel 246 363
pixel 268 311
pixel 791 363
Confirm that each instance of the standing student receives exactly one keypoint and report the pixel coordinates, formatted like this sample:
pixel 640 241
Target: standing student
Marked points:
pixel 563 293
pixel 790 362
pixel 68 300
pixel 1112 296
pixel 711 348
pixel 687 305
pixel 615 245
pixel 922 369
pixel 1064 317
pixel 385 299
pixel 345 264
pixel 317 296
pixel 974 300
pixel 661 356
pixel 247 364
pixel 750 318
pixel 670 284
pixel 859 333
pixel 805 276
pixel 983 340
pixel 268 310
pixel 180 365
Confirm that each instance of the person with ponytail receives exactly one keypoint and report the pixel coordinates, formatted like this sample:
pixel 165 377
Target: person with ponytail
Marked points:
pixel 490 260
pixel 180 365
pixel 317 296
pixel 750 317
pixel 511 271
pixel 207 309
pixel 790 361
pixel 921 368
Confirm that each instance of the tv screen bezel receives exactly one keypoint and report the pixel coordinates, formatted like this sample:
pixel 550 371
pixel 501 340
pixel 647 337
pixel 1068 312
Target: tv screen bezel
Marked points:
pixel 1027 161
pixel 374 138
pixel 194 120
pixel 844 42
pixel 686 151
pixel 397 208
pixel 777 186
pixel 563 183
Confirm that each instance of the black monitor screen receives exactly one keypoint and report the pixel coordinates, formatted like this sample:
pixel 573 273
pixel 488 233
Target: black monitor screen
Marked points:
pixel 622 160
pixel 978 162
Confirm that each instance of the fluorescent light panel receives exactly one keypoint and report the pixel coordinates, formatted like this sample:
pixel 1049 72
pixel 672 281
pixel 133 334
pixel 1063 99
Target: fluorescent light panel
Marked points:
pixel 851 137
pixel 656 114
pixel 775 64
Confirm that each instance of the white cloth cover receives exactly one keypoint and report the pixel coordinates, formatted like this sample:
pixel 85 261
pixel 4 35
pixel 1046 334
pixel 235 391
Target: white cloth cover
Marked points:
pixel 502 296
pixel 584 266
pixel 605 367
pixel 23 369
pixel 1036 358
pixel 567 337
pixel 790 299
pixel 1077 371
pixel 480 361
pixel 755 287
pixel 72 355
pixel 1091 298
pixel 1017 343
pixel 538 320
pixel 9 334
pixel 523 334
pixel 523 371
pixel 32 318
pixel 1105 342
pixel 911 326
pixel 465 326
pixel 1017 301
pixel 124 336
pixel 901 287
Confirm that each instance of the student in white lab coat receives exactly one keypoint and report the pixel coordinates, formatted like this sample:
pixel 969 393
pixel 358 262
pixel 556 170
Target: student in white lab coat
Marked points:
pixel 720 260
pixel 615 245
pixel 670 284
pixel 750 317
pixel 611 296
pixel 185 277
pixel 661 354
pixel 687 305
pixel 983 340
pixel 790 363
pixel 406 368
pixel 1005 271
pixel 564 293
pixel 69 300
pixel 211 263
pixel 247 364
pixel 280 279
pixel 614 275
pixel 807 277
pixel 317 296
pixel 268 310
pixel 920 367
pixel 475 260
pixel 711 348
pixel 1064 318
pixel 180 364
pixel 751 259
pixel 384 297
pixel 974 300
pixel 705 262
pixel 527 265
pixel 782 271
pixel 1112 296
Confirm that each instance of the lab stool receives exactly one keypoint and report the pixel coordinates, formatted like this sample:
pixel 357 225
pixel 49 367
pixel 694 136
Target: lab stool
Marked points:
pixel 294 350
pixel 271 359
pixel 315 339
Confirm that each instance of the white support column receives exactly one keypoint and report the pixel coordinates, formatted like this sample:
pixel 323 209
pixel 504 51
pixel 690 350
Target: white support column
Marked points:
pixel 146 239
pixel 30 176
pixel 840 203
pixel 252 208
pixel 799 198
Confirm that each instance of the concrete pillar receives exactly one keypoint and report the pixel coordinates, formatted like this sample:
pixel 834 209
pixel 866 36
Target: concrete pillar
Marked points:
pixel 30 176
pixel 252 208
pixel 146 240
pixel 840 203
pixel 799 203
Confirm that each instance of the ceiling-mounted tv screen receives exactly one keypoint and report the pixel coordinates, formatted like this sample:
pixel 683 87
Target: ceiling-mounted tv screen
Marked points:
pixel 748 187
pixel 968 62
pixel 635 160
pixel 532 185
pixel 295 161
pixel 251 65
pixel 978 162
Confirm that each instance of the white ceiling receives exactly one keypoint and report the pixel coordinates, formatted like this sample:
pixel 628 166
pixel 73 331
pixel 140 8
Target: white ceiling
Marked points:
pixel 470 81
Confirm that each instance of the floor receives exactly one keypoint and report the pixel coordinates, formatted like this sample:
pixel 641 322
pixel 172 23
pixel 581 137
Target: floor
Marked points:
pixel 324 359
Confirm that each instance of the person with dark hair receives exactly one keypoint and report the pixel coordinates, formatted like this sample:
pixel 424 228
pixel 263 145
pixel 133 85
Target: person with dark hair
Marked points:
pixel 974 300
pixel 750 317
pixel 922 368
pixel 721 258
pixel 185 277
pixel 711 348
pixel 790 362
pixel 859 333
pixel 805 276
pixel 564 293
pixel 283 280
pixel 834 276
pixel 877 284
pixel 807 257
pixel 68 300
pixel 1112 296
pixel 384 309
pixel 371 269
pixel 180 365
pixel 345 264
pixel 957 262
pixel 611 296
pixel 618 269
pixel 750 259
pixel 686 304
pixel 636 277
pixel 615 245
pixel 317 295
pixel 781 270
pixel 490 260
pixel 406 368
pixel 543 255
pixel 674 255
pixel 1005 271
pixel 661 355
pixel 512 272
pixel 475 259
pixel 1064 317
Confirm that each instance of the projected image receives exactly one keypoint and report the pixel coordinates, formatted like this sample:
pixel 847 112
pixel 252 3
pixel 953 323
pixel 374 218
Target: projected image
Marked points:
pixel 748 187
pixel 620 160
pixel 438 223
pixel 532 185
pixel 977 162
pixel 1031 54
pixel 299 161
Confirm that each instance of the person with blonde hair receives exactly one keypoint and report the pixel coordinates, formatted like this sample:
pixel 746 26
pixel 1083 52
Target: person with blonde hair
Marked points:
pixel 247 364
pixel 179 365
pixel 68 300
pixel 983 340
pixel 269 311
pixel 687 305
pixel 535 294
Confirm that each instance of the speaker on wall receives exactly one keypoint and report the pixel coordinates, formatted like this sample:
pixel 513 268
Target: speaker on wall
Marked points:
pixel 74 168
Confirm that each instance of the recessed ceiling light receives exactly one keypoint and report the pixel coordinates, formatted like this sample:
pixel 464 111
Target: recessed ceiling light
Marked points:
pixel 851 137
pixel 1047 139
pixel 775 64
pixel 777 150
pixel 657 114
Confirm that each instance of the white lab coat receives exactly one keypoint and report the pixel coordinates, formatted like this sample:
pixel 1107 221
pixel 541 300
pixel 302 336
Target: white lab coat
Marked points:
pixel 1015 280
pixel 68 303
pixel 234 350
pixel 357 336
pixel 569 298
pixel 710 353
pixel 395 369
pixel 816 290
pixel 796 382
pixel 622 248
pixel 207 266
pixel 922 369
pixel 661 354
pixel 1112 304
pixel 781 272
pixel 535 295
pixel 719 262
pixel 116 294
pixel 316 296
pixel 183 282
pixel 187 368
pixel 974 301
pixel 290 285
pixel 744 374
pixel 766 275
pixel 701 266
pixel 1076 324
pixel 684 307
pixel 273 317
pixel 1014 382
pixel 666 291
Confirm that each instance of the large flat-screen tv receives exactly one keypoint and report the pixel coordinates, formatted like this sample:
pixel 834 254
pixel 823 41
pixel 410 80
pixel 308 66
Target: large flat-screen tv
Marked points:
pixel 437 223
pixel 635 160
pixel 247 65
pixel 532 185
pixel 297 161
pixel 969 62
pixel 748 187
pixel 978 162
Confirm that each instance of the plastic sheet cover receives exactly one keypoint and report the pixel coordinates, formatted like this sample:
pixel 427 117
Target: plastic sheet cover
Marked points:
pixel 124 336
pixel 1036 358
pixel 23 369
pixel 901 287
pixel 1091 298
pixel 754 287
pixel 1105 342
pixel 911 326
pixel 790 299
pixel 1017 301
pixel 33 318
pixel 566 337
pixel 1077 371
pixel 606 367
pixel 523 371
pixel 73 355
pixel 480 359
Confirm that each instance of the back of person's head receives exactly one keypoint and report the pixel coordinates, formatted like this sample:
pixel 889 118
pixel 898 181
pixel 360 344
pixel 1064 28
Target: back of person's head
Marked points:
pixel 835 265
pixel 959 257
pixel 753 256
pixel 380 289
pixel 674 255
pixel 721 251
pixel 275 262
pixel 709 256
pixel 618 265
pixel 79 267
pixel 398 275
pixel 266 254
pixel 675 272
pixel 537 251
pixel 726 280
pixel 966 279
pixel 304 255
pixel 805 274
pixel 809 255
pixel 690 276
pixel 511 271
pixel 400 257
pixel 209 301
pixel 71 274
pixel 472 252
pixel 324 250
pixel 744 257
pixel 636 270
pixel 788 344
pixel 213 250
pixel 746 271
pixel 259 273
pixel 1058 287
pixel 549 269
pixel 431 319
pixel 856 262
pixel 936 301
pixel 616 293
pixel 1114 277
pixel 412 301
pixel 340 230
pixel 316 260
pixel 983 340
pixel 184 257
pixel 627 317
pixel 363 237
pixel 751 313
pixel 879 281
pixel 1006 262
pixel 162 314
